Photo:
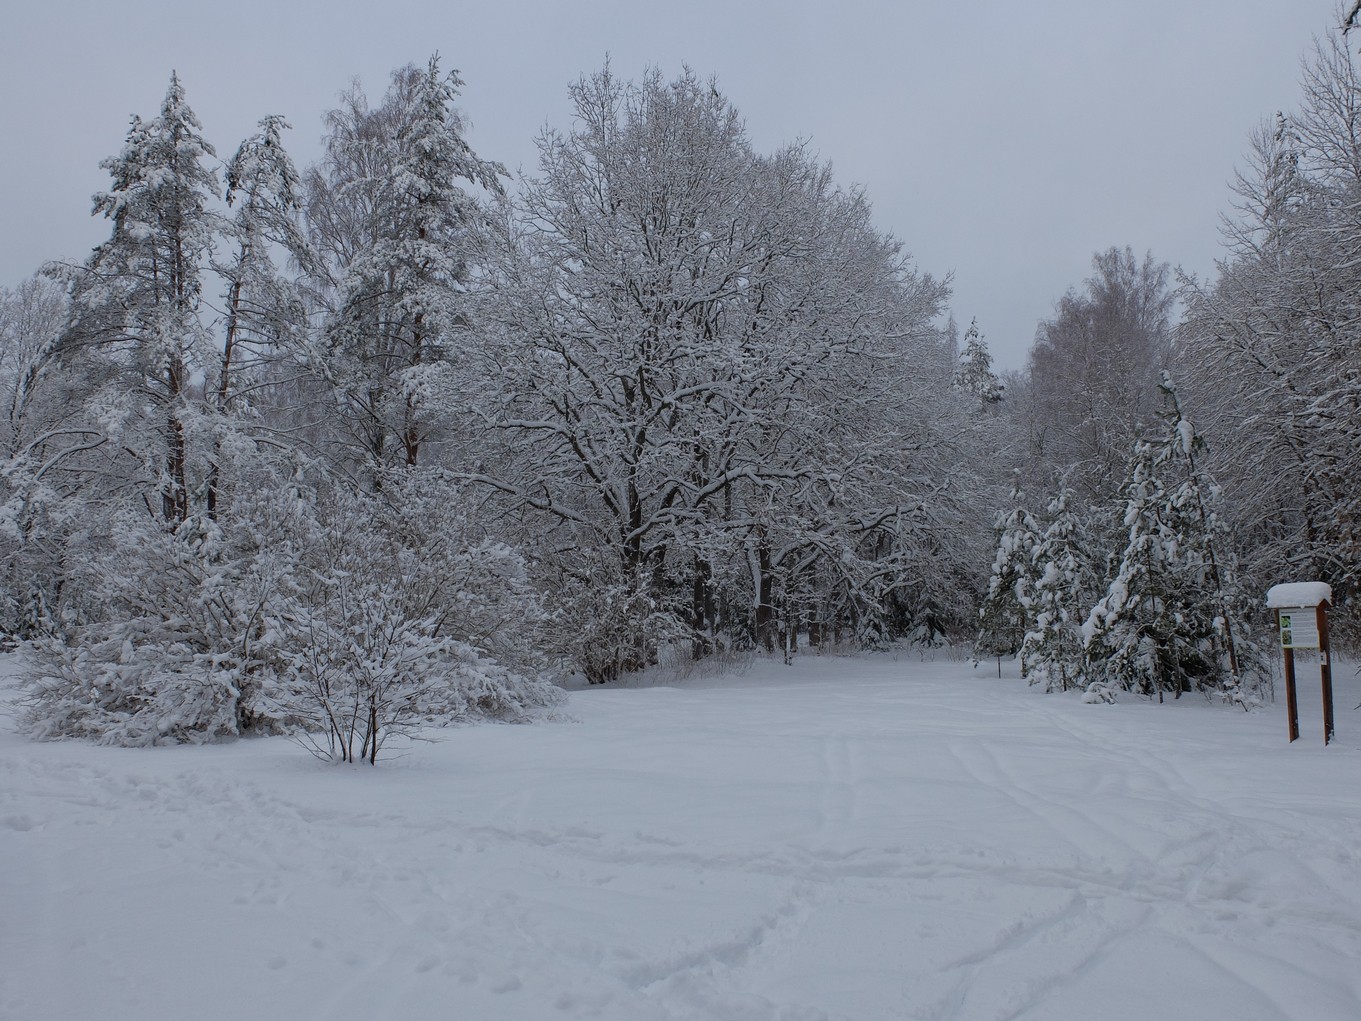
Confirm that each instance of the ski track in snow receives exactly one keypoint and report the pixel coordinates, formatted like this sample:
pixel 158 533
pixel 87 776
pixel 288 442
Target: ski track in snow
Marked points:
pixel 844 839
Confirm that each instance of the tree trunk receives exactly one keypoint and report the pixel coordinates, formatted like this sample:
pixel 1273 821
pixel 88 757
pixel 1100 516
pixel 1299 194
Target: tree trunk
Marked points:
pixel 765 593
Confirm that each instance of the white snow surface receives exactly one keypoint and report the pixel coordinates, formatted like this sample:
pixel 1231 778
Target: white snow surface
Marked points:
pixel 1298 593
pixel 874 838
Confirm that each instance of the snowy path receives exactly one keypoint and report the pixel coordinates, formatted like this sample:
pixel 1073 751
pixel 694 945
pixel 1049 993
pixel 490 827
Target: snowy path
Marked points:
pixel 849 839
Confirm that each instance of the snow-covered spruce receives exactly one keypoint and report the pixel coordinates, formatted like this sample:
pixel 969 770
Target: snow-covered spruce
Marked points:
pixel 975 375
pixel 1053 650
pixel 1173 619
pixel 1008 611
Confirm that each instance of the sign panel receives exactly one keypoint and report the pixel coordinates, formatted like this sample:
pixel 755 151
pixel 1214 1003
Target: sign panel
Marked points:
pixel 1299 627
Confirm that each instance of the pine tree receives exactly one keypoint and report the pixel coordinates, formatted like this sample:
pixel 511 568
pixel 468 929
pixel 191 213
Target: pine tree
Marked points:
pixel 136 303
pixel 1172 618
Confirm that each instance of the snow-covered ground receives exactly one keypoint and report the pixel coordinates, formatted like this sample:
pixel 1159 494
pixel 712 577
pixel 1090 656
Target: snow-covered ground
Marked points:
pixel 845 838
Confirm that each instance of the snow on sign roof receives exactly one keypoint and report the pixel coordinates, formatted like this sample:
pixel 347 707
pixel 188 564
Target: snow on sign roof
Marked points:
pixel 1299 593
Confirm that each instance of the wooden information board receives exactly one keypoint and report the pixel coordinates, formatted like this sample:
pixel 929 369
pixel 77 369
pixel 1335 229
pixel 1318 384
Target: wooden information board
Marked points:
pixel 1302 619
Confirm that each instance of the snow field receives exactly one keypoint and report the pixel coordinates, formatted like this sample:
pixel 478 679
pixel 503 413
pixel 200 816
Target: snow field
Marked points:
pixel 842 839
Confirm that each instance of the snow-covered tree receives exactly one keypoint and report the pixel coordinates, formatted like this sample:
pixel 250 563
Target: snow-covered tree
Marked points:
pixel 1008 610
pixel 157 635
pixel 975 374
pixel 390 210
pixel 714 371
pixel 1091 374
pixel 136 302
pixel 265 313
pixel 45 450
pixel 209 575
pixel 1273 344
pixel 1067 580
pixel 1172 617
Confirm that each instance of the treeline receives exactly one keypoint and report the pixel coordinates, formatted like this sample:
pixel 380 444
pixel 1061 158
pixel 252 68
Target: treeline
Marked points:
pixel 1145 530
pixel 396 439
pixel 385 440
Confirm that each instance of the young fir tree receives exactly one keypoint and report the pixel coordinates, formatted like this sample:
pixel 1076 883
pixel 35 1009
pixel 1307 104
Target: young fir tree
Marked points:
pixel 1172 618
pixel 1007 612
pixel 1053 649
pixel 975 373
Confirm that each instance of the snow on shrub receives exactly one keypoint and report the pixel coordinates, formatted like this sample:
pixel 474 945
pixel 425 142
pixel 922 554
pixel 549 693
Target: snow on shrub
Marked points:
pixel 342 618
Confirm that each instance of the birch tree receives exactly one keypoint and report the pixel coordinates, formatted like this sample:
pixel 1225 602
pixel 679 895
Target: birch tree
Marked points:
pixel 1093 371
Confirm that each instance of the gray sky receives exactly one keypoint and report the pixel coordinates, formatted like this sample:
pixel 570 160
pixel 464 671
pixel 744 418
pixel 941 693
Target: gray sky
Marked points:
pixel 1001 142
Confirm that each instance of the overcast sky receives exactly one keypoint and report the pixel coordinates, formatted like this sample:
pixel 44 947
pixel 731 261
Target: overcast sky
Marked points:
pixel 1001 142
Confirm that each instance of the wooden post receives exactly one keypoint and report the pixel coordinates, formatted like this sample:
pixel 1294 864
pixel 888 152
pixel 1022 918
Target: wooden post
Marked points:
pixel 1292 706
pixel 1325 671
